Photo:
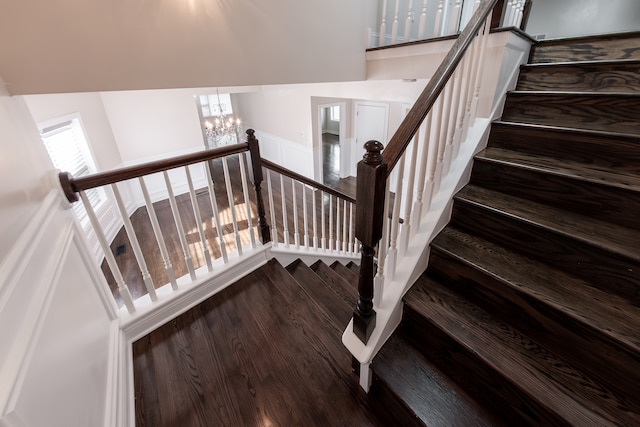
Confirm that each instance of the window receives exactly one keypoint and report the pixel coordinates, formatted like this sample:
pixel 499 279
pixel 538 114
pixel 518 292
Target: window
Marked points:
pixel 67 146
pixel 334 113
pixel 215 104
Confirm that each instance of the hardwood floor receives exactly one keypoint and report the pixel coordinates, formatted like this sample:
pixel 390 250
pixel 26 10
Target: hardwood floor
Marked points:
pixel 121 246
pixel 260 353
pixel 331 166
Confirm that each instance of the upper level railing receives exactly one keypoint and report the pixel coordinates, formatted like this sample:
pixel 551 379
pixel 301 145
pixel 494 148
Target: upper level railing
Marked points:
pixel 173 236
pixel 405 21
pixel 433 129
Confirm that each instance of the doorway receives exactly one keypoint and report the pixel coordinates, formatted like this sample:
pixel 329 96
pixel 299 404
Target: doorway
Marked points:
pixel 330 132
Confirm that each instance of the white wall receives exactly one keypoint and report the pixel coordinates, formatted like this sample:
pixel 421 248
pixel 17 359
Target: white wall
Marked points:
pixel 55 317
pixel 581 17
pixel 96 45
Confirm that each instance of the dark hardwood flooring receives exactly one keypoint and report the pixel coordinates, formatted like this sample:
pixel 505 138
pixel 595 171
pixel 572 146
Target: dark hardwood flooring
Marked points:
pixel 331 166
pixel 262 352
pixel 142 225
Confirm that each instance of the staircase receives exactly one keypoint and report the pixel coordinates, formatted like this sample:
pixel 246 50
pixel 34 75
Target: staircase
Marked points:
pixel 528 313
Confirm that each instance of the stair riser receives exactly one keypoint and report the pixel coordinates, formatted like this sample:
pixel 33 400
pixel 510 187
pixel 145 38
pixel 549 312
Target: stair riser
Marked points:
pixel 613 204
pixel 610 151
pixel 389 407
pixel 610 272
pixel 587 49
pixel 602 112
pixel 500 394
pixel 585 78
pixel 601 356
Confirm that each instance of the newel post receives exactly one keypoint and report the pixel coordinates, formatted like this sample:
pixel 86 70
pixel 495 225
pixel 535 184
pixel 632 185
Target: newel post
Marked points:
pixel 370 194
pixel 256 168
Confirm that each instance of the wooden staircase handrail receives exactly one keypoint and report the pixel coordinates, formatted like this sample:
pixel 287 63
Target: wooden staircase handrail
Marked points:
pixel 315 184
pixel 72 186
pixel 414 118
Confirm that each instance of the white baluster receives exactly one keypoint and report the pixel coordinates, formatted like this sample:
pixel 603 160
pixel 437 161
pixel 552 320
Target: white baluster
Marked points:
pixel 379 278
pixel 520 14
pixel 135 245
pixel 416 216
pixel 437 27
pixel 392 255
pixel 344 227
pixel 330 222
pixel 179 226
pixel 473 53
pixel 285 226
pixel 423 20
pixel 441 141
pixel 464 94
pixel 406 226
pixel 157 231
pixel 315 219
pixel 216 215
pixel 455 18
pixel 232 205
pixel 453 115
pixel 508 14
pixel 125 294
pixel 483 46
pixel 247 201
pixel 394 26
pixel 296 233
pixel 304 216
pixel 322 215
pixel 444 129
pixel 337 224
pixel 274 230
pixel 351 242
pixel 409 22
pixel 383 25
pixel 198 218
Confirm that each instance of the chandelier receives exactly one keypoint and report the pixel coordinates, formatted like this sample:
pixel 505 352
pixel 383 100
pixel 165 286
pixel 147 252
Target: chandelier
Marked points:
pixel 222 128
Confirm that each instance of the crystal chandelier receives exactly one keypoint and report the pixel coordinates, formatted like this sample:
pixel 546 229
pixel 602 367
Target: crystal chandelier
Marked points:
pixel 222 129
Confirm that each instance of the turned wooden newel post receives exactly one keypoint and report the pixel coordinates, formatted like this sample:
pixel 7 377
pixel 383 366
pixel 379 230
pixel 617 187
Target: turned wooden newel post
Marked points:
pixel 372 177
pixel 256 168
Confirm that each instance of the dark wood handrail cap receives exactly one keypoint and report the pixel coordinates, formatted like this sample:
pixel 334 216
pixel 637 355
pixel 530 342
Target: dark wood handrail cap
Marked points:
pixel 66 182
pixel 373 156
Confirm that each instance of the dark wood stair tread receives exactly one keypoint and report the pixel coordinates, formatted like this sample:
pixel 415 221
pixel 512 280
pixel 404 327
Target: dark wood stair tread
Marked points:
pixel 588 48
pixel 569 169
pixel 350 276
pixel 321 293
pixel 547 379
pixel 609 314
pixel 346 291
pixel 429 396
pixel 613 238
pixel 354 267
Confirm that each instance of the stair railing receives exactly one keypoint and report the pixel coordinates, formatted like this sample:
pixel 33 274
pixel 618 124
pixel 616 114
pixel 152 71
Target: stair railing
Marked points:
pixel 323 217
pixel 405 21
pixel 198 243
pixel 433 129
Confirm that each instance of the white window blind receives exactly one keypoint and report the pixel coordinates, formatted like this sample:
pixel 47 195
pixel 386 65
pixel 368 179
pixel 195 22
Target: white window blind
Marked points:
pixel 334 113
pixel 67 147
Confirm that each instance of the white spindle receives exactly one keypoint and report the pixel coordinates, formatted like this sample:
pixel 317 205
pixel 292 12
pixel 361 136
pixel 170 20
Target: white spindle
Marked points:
pixel 330 222
pixel 508 14
pixel 464 95
pixel 483 46
pixel 392 255
pixel 304 216
pixel 473 53
pixel 274 230
pixel 315 219
pixel 135 244
pixel 406 226
pixel 422 168
pixel 216 215
pixel 448 93
pixel 179 226
pixel 520 14
pixel 296 233
pixel 125 294
pixel 394 26
pixel 453 116
pixel 433 165
pixel 383 25
pixel 409 22
pixel 324 225
pixel 442 133
pixel 285 226
pixel 345 232
pixel 247 201
pixel 378 280
pixel 423 20
pixel 337 224
pixel 455 18
pixel 351 242
pixel 157 231
pixel 437 27
pixel 198 218
pixel 232 205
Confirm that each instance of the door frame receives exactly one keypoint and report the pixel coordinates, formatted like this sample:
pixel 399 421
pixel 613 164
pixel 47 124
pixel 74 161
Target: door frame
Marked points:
pixel 317 149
